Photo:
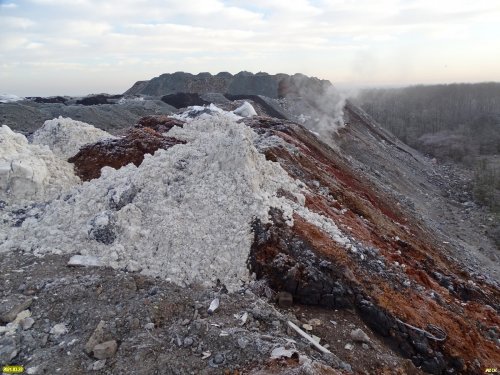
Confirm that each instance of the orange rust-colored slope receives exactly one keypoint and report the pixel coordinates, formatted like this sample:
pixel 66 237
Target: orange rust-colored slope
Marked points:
pixel 417 283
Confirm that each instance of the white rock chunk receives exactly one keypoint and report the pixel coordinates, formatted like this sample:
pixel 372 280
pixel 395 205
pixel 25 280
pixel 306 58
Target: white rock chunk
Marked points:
pixel 84 261
pixel 30 172
pixel 59 330
pixel 281 352
pixel 245 110
pixel 359 336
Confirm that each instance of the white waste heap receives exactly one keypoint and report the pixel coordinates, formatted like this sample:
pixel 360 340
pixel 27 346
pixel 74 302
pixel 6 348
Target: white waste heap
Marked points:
pixel 184 214
pixel 65 136
pixel 30 173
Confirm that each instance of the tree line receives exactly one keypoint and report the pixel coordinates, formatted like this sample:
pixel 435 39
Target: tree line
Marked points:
pixel 453 122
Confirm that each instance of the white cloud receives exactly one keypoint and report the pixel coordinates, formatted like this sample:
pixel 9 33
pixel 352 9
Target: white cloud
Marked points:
pixel 84 29
pixel 8 6
pixel 7 22
pixel 332 38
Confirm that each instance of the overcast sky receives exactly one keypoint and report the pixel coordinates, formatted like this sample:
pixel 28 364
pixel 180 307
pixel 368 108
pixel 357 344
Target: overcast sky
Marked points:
pixel 50 47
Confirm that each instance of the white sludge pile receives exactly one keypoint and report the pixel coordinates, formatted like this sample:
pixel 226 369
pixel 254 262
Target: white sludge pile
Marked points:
pixel 184 214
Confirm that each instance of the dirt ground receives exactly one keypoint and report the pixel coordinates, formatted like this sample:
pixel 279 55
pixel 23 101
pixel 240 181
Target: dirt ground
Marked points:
pixel 161 328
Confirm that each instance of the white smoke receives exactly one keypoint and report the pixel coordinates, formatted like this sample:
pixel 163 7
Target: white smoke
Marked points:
pixel 330 111
pixel 316 104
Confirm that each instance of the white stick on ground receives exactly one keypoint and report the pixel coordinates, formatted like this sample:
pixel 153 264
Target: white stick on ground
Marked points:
pixel 308 338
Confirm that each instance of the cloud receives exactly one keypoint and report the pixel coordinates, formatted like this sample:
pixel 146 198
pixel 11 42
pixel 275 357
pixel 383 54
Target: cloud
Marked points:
pixel 335 39
pixel 8 6
pixel 7 22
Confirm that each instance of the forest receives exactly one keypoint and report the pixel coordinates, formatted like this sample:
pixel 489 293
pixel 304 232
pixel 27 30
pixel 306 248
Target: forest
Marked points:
pixel 457 123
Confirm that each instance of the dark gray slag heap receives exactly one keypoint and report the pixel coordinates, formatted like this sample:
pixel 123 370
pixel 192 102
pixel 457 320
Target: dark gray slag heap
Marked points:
pixel 243 83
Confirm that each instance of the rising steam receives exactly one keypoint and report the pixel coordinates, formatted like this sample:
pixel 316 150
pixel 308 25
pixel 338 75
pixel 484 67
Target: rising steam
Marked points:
pixel 316 104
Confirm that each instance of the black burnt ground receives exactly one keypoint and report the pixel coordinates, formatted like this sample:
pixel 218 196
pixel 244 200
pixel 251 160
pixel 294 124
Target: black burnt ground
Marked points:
pixel 183 100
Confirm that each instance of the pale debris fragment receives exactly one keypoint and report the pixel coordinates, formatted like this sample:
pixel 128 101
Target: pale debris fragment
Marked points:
pixel 307 327
pixel 280 352
pixel 308 338
pixel 59 330
pixel 242 318
pixel 84 261
pixel 213 306
pixel 245 110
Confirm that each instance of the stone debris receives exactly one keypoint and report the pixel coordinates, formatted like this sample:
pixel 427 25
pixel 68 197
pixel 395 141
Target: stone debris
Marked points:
pixel 27 323
pixel 105 350
pixel 318 339
pixel 59 330
pixel 315 322
pixel 359 336
pixel 84 261
pixel 96 338
pixel 9 347
pixel 307 327
pixel 281 352
pixel 243 342
pixel 13 306
pixel 309 338
pixel 214 305
pixel 349 347
pixel 217 360
pixel 245 110
pixel 97 365
pixel 188 341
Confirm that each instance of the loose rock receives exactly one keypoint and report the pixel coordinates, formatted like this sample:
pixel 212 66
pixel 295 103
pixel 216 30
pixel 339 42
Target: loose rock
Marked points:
pixel 307 327
pixel 188 341
pixel 59 330
pixel 213 306
pixel 217 360
pixel 359 336
pixel 27 323
pixel 10 309
pixel 84 261
pixel 280 352
pixel 243 342
pixel 9 347
pixel 96 337
pixel 105 350
pixel 97 365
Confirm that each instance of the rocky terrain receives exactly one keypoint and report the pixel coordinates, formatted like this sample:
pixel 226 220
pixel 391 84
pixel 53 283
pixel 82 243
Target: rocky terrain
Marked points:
pixel 106 112
pixel 286 233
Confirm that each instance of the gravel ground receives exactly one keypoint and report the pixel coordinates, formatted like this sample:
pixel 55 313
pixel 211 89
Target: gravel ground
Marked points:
pixel 160 328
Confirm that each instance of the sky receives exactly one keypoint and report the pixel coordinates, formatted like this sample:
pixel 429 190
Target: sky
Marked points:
pixel 74 47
